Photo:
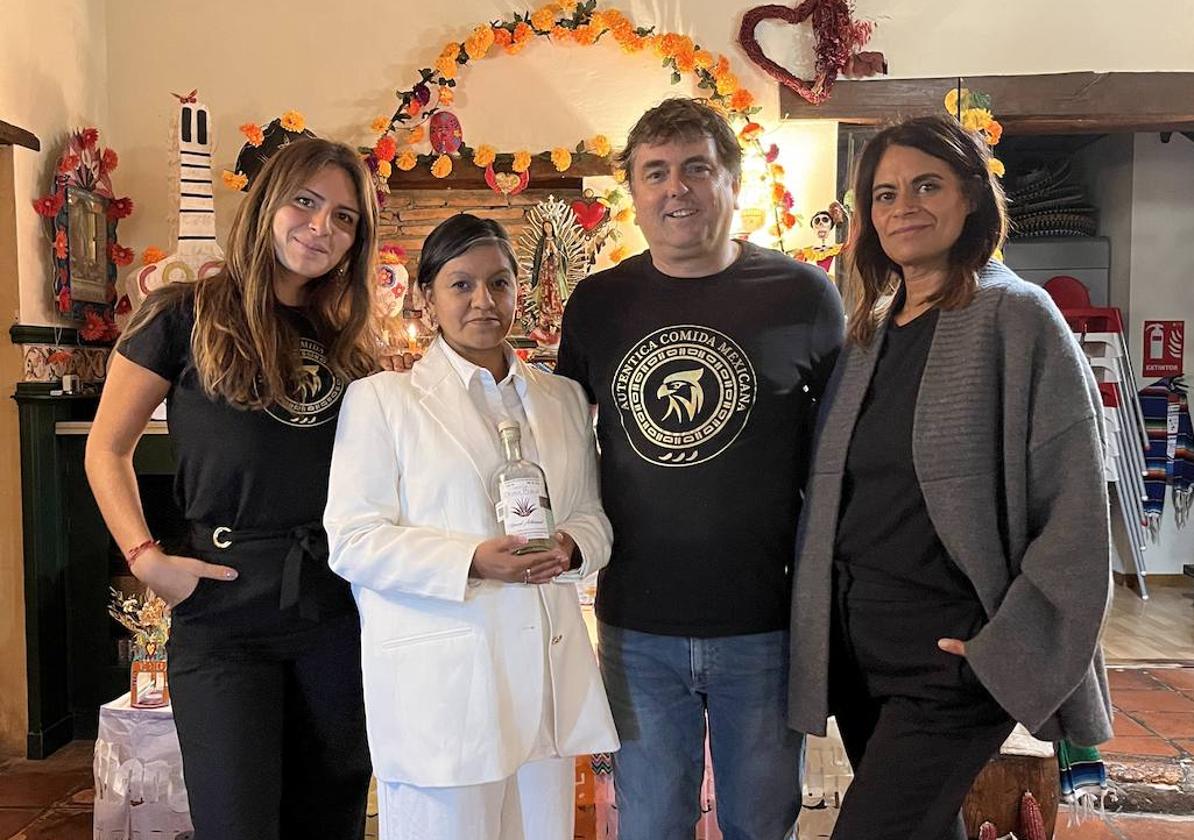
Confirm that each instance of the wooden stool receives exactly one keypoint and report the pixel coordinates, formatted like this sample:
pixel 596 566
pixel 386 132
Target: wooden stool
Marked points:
pixel 996 793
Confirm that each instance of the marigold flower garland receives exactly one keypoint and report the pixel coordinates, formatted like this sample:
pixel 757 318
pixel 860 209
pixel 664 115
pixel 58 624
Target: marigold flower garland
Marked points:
pixel 565 22
pixel 973 111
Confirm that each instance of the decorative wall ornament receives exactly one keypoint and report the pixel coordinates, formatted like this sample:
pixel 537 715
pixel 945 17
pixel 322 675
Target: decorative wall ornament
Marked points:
pixel 83 210
pixel 196 252
pixel 402 135
pixel 553 256
pixel 840 40
pixel 50 363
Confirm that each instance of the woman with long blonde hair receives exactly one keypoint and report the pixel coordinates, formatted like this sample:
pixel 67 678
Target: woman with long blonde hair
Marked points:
pixel 265 648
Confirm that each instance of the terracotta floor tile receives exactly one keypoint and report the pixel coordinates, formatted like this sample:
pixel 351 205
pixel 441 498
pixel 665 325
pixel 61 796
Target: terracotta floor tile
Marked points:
pixel 1139 746
pixel 1090 829
pixel 38 789
pixel 1125 727
pixel 13 820
pixel 1151 701
pixel 1186 744
pixel 1180 678
pixel 1129 678
pixel 1155 828
pixel 1168 724
pixel 59 825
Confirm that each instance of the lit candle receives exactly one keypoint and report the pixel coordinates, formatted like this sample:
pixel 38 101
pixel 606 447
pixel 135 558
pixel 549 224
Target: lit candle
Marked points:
pixel 412 339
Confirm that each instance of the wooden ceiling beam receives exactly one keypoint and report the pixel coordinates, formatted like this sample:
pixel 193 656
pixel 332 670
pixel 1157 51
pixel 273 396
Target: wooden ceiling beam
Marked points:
pixel 1055 103
pixel 11 135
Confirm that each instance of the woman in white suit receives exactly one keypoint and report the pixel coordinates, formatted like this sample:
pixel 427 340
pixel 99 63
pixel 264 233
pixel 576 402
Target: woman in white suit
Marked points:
pixel 480 681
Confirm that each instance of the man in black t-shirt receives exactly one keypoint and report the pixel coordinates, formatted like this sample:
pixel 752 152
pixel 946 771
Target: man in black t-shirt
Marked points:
pixel 704 357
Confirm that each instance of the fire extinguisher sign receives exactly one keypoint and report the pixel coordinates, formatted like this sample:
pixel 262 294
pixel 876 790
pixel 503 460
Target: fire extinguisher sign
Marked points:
pixel 1164 342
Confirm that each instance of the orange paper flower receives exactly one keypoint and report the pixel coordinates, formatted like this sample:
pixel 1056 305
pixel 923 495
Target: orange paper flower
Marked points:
pixel 60 244
pixel 585 35
pixel 632 43
pixel 406 161
pixel 750 132
pixel 386 148
pixel 446 96
pixel 379 125
pixel 742 99
pixel 544 19
pixel 703 59
pixel 994 132
pixel 561 158
pixel 253 132
pixel 502 37
pixel 727 84
pixel 384 169
pixel 235 180
pixel 522 161
pixel 446 66
pixel 293 121
pixel 477 44
pixel 442 167
pixel 484 155
pixel 152 255
pixel 415 135
pixel 598 145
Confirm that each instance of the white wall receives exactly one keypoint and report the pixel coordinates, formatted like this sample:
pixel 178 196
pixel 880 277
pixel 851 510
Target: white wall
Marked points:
pixel 1162 285
pixel 53 78
pixel 975 37
pixel 340 63
pixel 65 63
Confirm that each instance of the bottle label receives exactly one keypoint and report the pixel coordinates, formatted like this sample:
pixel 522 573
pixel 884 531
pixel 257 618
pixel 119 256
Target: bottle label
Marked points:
pixel 524 509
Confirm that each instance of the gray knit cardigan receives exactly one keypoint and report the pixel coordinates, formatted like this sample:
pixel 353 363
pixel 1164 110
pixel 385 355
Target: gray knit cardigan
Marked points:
pixel 1007 446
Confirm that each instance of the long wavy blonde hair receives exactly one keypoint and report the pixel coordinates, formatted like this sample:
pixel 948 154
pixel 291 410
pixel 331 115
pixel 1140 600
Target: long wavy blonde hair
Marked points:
pixel 244 350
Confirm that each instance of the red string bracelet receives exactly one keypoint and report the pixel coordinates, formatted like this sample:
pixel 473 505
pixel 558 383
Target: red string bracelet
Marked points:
pixel 137 550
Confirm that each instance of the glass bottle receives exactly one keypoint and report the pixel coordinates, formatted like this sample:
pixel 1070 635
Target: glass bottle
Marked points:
pixel 520 488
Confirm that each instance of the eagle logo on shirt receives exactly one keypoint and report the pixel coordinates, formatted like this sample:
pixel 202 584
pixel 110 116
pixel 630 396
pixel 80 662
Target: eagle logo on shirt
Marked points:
pixel 684 394
pixel 316 398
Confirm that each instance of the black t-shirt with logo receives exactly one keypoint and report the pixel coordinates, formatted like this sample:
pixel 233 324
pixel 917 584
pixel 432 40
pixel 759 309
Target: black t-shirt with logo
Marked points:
pixel 706 391
pixel 243 469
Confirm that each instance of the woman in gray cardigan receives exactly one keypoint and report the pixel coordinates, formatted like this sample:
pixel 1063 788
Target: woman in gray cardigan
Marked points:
pixel 953 573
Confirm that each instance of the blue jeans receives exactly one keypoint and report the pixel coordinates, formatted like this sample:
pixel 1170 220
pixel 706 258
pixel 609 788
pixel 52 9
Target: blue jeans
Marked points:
pixel 661 688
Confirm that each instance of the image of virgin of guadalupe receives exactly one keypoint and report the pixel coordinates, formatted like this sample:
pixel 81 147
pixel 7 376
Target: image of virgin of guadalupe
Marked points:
pixel 552 260
pixel 549 286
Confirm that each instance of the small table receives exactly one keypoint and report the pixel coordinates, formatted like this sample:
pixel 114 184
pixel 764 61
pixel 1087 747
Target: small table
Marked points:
pixel 139 789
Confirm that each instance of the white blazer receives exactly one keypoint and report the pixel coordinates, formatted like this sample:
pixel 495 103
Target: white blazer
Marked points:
pixel 452 665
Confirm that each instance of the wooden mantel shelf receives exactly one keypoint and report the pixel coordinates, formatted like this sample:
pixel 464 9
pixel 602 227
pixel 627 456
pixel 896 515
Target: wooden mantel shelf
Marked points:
pixel 466 176
pixel 11 135
pixel 1053 103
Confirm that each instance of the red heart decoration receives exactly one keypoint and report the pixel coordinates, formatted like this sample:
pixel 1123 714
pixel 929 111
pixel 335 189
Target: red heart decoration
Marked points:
pixel 746 37
pixel 838 39
pixel 589 214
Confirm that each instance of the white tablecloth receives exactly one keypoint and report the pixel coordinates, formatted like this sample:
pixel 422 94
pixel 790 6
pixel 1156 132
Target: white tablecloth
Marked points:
pixel 139 790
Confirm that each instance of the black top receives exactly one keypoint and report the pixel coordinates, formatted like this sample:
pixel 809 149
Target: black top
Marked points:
pixel 705 390
pixel 884 534
pixel 261 470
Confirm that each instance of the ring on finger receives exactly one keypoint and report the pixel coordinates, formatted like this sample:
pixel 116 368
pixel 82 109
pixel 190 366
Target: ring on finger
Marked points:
pixel 526 575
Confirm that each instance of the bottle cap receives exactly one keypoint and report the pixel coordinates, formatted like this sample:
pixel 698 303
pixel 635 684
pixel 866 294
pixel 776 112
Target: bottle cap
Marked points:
pixel 508 427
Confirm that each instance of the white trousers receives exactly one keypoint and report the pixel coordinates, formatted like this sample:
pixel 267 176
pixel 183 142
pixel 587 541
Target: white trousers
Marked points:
pixel 537 803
